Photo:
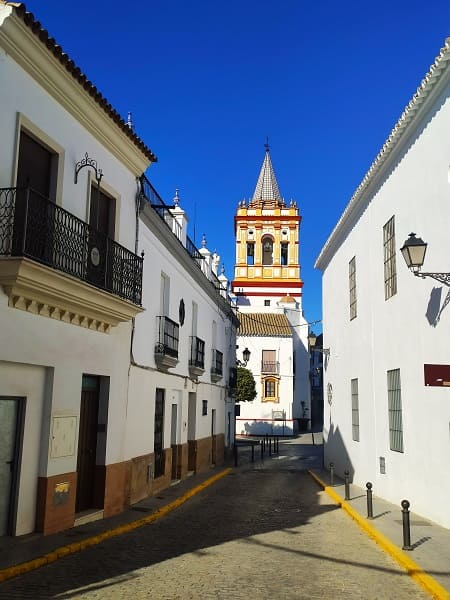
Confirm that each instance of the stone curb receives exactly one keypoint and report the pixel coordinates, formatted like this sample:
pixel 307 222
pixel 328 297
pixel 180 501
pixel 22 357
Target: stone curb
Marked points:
pixel 31 565
pixel 416 572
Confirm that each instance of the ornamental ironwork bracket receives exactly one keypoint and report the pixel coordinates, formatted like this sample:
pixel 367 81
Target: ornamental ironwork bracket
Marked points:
pixel 441 277
pixel 88 162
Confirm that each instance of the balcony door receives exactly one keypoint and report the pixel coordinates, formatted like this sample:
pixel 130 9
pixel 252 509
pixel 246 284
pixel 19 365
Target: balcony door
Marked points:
pixel 100 252
pixel 36 167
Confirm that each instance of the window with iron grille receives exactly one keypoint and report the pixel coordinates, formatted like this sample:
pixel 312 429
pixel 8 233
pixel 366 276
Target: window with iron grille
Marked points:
pixel 355 410
pixel 352 287
pixel 395 410
pixel 390 269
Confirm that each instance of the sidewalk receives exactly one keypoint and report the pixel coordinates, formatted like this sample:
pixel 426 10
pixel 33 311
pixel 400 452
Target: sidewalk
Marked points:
pixel 428 562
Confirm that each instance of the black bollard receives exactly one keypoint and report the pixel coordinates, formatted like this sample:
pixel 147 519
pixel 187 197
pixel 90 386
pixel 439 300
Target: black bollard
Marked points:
pixel 369 500
pixel 270 446
pixel 262 449
pixel 235 455
pixel 253 453
pixel 406 527
pixel 331 473
pixel 278 445
pixel 347 485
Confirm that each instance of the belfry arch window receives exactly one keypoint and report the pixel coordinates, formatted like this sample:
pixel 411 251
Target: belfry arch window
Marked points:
pixel 267 251
pixel 250 253
pixel 284 256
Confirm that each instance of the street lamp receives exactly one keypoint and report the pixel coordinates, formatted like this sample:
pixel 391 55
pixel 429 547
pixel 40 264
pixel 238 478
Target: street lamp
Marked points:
pixel 413 251
pixel 245 356
pixel 312 337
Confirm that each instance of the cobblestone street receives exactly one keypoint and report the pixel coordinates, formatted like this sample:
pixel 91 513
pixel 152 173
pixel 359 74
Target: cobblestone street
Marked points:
pixel 264 531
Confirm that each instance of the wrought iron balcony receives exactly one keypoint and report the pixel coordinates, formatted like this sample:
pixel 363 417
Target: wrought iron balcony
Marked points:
pixel 32 226
pixel 216 365
pixel 166 347
pixel 270 367
pixel 197 356
pixel 165 213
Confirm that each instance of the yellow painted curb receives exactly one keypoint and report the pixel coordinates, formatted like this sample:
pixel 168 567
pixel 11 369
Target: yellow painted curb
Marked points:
pixel 427 582
pixel 31 565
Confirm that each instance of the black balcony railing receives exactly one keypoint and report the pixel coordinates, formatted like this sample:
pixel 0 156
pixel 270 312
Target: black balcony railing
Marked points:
pixel 168 336
pixel 33 227
pixel 270 367
pixel 165 213
pixel 197 358
pixel 217 363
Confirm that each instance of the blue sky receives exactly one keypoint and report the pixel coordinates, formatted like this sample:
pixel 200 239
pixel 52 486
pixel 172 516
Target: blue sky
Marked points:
pixel 207 81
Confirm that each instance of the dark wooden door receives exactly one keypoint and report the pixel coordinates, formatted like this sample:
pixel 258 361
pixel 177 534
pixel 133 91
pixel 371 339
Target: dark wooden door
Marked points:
pixel 9 448
pixel 100 252
pixel 34 177
pixel 87 443
pixel 159 433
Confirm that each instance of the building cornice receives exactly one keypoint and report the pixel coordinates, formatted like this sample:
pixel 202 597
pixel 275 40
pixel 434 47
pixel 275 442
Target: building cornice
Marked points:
pixel 23 38
pixel 416 108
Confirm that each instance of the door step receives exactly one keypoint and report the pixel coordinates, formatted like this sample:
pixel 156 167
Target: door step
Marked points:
pixel 87 516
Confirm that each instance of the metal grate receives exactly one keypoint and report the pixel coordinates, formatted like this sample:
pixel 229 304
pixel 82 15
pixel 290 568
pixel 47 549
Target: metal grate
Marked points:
pixel 352 287
pixel 197 358
pixel 168 337
pixel 395 410
pixel 390 269
pixel 355 410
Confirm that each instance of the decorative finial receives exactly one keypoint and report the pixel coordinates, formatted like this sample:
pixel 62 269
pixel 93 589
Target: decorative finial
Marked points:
pixel 266 145
pixel 130 122
pixel 203 241
pixel 176 198
pixel 222 271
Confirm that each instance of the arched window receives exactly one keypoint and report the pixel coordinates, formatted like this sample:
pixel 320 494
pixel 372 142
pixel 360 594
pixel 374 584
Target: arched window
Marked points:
pixel 267 251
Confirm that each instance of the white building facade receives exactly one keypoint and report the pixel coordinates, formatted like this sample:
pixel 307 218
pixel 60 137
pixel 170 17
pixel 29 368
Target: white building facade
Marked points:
pixel 78 304
pixel 268 292
pixel 386 405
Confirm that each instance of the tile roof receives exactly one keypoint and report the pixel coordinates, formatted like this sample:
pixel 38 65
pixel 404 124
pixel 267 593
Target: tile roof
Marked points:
pixel 71 67
pixel 264 324
pixel 266 191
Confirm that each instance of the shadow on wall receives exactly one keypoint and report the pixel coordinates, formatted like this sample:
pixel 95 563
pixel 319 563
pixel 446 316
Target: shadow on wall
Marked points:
pixel 279 428
pixel 435 309
pixel 335 452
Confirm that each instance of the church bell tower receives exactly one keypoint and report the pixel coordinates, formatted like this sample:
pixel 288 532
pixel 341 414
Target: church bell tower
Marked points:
pixel 267 246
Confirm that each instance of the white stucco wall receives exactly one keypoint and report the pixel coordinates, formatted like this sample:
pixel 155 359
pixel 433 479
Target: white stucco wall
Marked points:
pixel 402 332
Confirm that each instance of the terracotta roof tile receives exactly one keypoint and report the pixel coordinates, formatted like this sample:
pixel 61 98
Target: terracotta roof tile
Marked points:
pixel 64 59
pixel 264 324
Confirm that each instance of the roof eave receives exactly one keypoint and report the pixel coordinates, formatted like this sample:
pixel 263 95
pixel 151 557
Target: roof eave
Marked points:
pixel 413 111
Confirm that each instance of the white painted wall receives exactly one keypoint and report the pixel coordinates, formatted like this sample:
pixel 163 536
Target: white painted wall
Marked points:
pixel 397 333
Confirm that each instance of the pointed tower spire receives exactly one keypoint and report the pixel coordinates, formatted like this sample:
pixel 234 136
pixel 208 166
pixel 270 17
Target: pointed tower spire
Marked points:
pixel 266 190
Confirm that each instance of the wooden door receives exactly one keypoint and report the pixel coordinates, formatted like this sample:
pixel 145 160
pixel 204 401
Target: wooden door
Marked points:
pixel 9 450
pixel 87 443
pixel 34 178
pixel 159 433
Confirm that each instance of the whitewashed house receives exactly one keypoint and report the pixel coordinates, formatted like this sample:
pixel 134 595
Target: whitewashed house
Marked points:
pixel 387 400
pixel 267 287
pixel 78 374
pixel 183 372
